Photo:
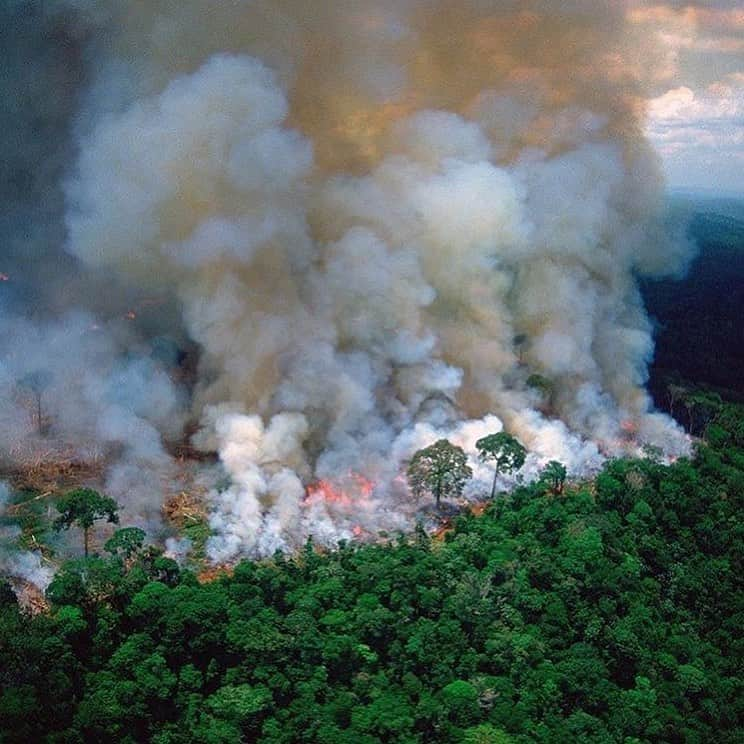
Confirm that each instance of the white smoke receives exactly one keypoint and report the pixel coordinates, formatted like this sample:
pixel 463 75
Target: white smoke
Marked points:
pixel 178 548
pixel 15 562
pixel 380 220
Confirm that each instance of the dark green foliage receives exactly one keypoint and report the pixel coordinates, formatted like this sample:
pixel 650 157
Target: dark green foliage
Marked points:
pixel 83 507
pixel 197 531
pixel 125 542
pixel 29 514
pixel 554 474
pixel 7 595
pixel 441 469
pixel 610 614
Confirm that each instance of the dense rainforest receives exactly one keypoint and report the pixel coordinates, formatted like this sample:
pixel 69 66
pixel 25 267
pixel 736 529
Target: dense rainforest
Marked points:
pixel 606 611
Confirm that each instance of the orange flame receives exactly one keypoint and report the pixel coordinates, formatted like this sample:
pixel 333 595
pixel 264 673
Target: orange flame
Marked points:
pixel 351 489
pixel 629 427
pixel 365 485
pixel 326 491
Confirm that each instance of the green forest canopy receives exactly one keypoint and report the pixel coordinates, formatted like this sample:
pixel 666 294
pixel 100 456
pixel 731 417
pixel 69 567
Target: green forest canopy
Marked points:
pixel 608 612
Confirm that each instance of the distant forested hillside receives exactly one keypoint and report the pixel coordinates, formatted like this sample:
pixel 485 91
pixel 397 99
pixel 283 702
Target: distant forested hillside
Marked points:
pixel 700 335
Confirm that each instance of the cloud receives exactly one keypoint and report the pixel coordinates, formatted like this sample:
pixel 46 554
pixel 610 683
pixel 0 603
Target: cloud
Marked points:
pixel 683 117
pixel 696 131
pixel 695 95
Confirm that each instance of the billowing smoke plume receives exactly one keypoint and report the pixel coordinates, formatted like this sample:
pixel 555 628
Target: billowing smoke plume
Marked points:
pixel 378 223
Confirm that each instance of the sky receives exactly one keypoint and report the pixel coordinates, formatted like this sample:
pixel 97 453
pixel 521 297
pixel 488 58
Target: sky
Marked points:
pixel 696 92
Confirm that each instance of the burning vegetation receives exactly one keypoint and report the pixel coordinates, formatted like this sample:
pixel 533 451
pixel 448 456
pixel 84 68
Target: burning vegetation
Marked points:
pixel 315 284
pixel 313 266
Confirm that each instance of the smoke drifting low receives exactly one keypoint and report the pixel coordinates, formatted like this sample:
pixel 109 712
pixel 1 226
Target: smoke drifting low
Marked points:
pixel 378 222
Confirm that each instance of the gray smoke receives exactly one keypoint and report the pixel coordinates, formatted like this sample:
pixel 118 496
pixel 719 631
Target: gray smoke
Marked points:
pixel 378 222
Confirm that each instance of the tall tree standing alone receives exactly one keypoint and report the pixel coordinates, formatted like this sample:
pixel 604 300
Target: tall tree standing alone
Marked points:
pixel 83 506
pixel 441 469
pixel 36 383
pixel 506 452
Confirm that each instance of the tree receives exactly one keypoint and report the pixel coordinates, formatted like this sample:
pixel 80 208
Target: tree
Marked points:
pixel 555 474
pixel 82 507
pixel 504 450
pixel 36 383
pixel 519 341
pixel 7 595
pixel 125 542
pixel 675 393
pixel 460 701
pixel 441 469
pixel 702 408
pixel 84 582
